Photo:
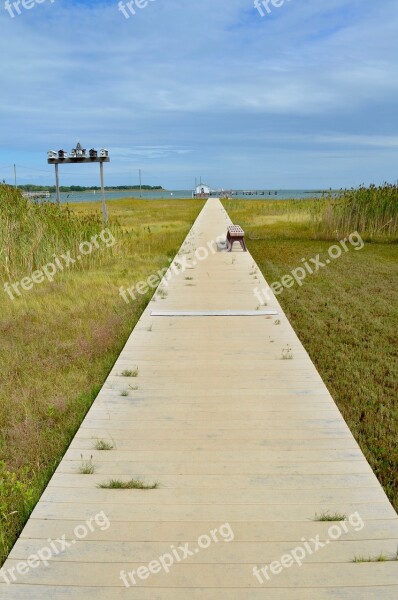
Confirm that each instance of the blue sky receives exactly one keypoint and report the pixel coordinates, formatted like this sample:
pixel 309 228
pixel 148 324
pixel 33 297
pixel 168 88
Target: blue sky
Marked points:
pixel 305 97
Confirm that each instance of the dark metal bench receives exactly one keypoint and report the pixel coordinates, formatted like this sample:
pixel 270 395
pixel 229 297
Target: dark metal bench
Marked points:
pixel 235 234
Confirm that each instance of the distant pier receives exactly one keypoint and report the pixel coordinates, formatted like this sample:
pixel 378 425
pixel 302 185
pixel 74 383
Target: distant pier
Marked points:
pixel 36 194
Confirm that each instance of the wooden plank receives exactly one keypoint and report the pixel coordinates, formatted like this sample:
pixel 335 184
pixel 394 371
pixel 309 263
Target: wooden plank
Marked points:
pixel 212 313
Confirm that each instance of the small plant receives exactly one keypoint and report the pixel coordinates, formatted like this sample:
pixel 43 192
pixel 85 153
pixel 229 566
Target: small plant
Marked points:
pixel 150 327
pixel 189 278
pixel 102 445
pixel 130 372
pixel 132 484
pixel 379 558
pixel 287 353
pixel 163 293
pixel 124 393
pixel 87 467
pixel 277 322
pixel 328 516
pixel 133 387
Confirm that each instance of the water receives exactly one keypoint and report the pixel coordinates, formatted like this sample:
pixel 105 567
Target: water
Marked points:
pixel 179 194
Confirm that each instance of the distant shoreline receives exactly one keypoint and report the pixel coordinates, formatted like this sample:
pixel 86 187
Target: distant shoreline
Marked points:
pixel 65 189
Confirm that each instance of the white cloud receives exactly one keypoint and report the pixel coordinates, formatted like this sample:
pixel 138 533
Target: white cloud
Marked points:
pixel 186 85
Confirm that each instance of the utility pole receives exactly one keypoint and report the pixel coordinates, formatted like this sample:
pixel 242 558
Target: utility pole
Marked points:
pixel 104 206
pixel 139 171
pixel 15 176
pixel 57 184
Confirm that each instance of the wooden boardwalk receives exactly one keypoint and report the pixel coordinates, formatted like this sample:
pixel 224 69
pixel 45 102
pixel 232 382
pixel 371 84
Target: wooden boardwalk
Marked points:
pixel 239 440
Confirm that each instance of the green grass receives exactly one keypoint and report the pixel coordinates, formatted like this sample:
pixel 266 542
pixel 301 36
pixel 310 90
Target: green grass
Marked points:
pixel 72 330
pixel 330 516
pixel 32 233
pixel 378 558
pixel 103 446
pixel 346 316
pixel 87 466
pixel 372 211
pixel 132 484
pixel 130 373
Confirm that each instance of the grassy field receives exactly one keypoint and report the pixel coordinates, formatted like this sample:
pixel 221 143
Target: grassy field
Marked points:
pixel 346 315
pixel 59 340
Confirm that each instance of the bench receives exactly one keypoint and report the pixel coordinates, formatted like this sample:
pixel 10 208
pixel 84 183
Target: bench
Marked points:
pixel 235 234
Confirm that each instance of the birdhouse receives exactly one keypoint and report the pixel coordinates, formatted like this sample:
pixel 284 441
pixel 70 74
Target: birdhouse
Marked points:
pixel 52 155
pixel 80 152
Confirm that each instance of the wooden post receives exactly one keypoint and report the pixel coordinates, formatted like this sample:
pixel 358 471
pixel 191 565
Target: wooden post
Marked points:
pixel 57 184
pixel 104 207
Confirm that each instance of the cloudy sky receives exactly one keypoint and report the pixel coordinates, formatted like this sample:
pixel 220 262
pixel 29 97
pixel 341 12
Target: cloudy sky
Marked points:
pixel 303 97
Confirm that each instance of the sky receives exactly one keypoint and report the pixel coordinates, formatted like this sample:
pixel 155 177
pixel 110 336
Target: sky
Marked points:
pixel 304 97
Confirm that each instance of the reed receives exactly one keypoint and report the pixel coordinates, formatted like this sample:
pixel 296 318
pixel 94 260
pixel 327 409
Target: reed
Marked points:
pixel 371 211
pixel 31 233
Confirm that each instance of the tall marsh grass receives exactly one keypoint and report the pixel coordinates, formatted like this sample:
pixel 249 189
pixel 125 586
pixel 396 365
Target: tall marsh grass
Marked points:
pixel 372 211
pixel 31 233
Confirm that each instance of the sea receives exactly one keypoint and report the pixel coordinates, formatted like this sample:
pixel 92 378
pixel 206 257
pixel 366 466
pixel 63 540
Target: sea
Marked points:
pixel 257 194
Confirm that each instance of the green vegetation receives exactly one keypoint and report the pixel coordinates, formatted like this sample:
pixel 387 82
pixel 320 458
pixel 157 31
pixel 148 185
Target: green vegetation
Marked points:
pixel 379 558
pixel 87 467
pixel 78 188
pixel 103 446
pixel 346 315
pixel 329 516
pixel 32 233
pixel 130 372
pixel 132 484
pixel 15 492
pixel 373 212
pixel 59 341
